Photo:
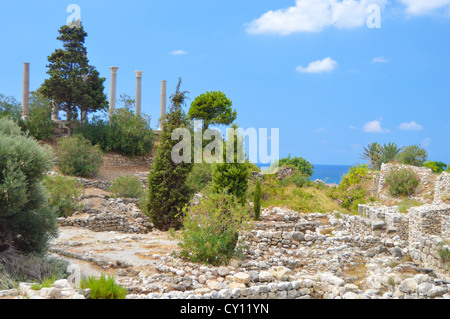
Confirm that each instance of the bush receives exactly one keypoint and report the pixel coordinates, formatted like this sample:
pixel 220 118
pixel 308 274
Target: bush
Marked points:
pixel 103 288
pixel 64 193
pixel 413 155
pixel 211 229
pixel 127 187
pixel 200 177
pixel 125 133
pixel 17 267
pixel 40 124
pixel 27 221
pixel 436 167
pixel 402 182
pixel 78 157
pixel 349 198
pixel 305 167
pixel 355 176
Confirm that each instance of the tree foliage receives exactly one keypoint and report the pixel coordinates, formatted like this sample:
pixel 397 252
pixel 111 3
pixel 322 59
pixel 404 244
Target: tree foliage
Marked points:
pixel 414 155
pixel 168 192
pixel 214 108
pixel 304 167
pixel 74 85
pixel 232 174
pixel 27 221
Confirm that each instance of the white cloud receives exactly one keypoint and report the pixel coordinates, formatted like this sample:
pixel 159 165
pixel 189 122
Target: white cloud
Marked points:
pixel 319 66
pixel 420 7
pixel 426 142
pixel 178 52
pixel 380 59
pixel 320 130
pixel 374 127
pixel 411 126
pixel 314 16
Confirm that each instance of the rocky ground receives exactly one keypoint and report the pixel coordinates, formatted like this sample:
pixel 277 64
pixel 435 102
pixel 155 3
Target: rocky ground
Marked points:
pixel 320 261
pixel 288 256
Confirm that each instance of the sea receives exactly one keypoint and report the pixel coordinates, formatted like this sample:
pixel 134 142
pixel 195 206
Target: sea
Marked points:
pixel 330 174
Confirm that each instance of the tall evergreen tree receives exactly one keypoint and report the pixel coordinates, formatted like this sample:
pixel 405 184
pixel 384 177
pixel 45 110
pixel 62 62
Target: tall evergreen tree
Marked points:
pixel 168 192
pixel 74 85
pixel 257 199
pixel 233 173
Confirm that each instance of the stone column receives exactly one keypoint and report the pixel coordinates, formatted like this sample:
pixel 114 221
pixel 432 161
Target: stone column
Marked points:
pixel 55 112
pixel 26 92
pixel 112 94
pixel 163 102
pixel 138 93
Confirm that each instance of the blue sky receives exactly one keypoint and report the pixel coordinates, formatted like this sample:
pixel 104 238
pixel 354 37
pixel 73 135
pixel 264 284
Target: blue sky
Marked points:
pixel 312 68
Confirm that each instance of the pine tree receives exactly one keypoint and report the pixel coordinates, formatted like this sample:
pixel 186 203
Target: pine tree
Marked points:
pixel 233 173
pixel 74 85
pixel 168 192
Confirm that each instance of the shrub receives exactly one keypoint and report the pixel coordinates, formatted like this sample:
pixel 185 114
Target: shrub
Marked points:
pixel 413 155
pixel 305 167
pixel 78 157
pixel 103 288
pixel 436 167
pixel 200 177
pixel 257 199
pixel 355 176
pixel 402 182
pixel 125 133
pixel 127 187
pixel 211 229
pixel 27 221
pixel 299 179
pixel 40 124
pixel 64 193
pixel 349 198
pixel 17 267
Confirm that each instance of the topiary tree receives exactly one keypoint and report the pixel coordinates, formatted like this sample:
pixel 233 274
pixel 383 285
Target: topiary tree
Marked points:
pixel 213 108
pixel 27 221
pixel 168 192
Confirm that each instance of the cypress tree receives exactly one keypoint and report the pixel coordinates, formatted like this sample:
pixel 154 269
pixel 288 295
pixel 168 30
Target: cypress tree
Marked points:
pixel 257 199
pixel 168 192
pixel 233 176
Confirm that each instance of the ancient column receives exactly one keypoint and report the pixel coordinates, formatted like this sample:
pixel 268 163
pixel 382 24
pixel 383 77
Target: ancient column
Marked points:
pixel 138 93
pixel 55 112
pixel 26 92
pixel 112 94
pixel 163 102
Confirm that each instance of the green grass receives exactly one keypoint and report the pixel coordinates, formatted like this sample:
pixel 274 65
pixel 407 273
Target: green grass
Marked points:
pixel 406 204
pixel 103 288
pixel 306 199
pixel 46 283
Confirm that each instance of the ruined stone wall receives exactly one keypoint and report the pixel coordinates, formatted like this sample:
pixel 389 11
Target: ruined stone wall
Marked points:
pixel 117 160
pixel 442 188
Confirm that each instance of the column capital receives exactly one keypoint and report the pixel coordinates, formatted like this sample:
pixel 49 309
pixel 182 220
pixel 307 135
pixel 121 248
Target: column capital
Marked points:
pixel 139 74
pixel 114 69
